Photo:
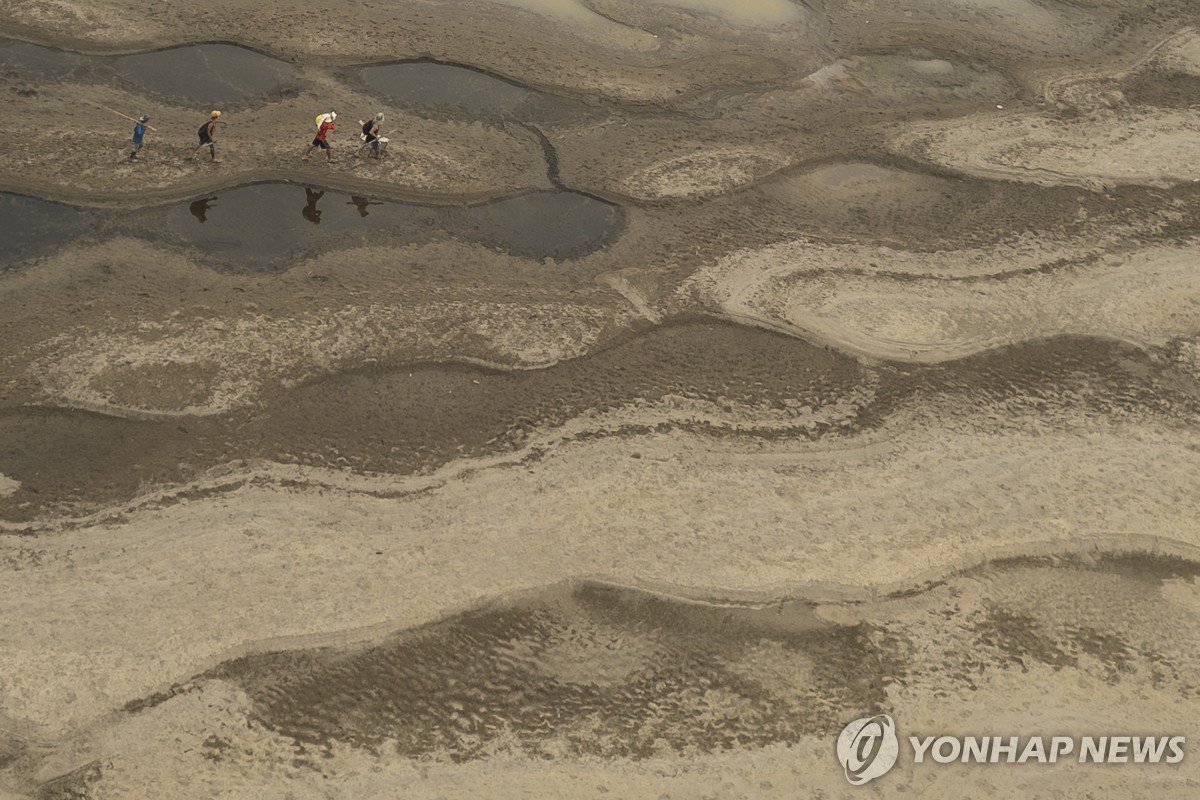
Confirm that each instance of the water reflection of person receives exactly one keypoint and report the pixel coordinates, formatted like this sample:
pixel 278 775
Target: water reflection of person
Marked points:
pixel 310 211
pixel 200 208
pixel 361 204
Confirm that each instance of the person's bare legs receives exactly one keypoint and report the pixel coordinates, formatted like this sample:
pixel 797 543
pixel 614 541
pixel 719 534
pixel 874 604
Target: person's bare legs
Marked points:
pixel 212 149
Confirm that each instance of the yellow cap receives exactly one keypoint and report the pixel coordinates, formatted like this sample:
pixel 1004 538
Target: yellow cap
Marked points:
pixel 215 114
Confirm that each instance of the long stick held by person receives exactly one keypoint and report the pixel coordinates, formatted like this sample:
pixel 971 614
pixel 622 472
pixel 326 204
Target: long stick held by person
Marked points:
pixel 139 133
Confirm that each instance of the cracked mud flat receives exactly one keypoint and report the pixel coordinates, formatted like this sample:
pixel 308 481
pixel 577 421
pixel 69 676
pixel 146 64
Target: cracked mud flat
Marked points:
pixel 701 376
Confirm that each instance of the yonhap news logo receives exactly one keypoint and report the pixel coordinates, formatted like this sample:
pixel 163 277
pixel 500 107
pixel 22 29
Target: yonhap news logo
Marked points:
pixel 869 747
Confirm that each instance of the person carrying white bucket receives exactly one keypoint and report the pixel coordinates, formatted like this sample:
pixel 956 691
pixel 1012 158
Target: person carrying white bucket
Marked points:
pixel 325 124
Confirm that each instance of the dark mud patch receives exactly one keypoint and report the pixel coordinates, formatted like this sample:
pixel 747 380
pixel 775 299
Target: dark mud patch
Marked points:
pixel 1020 638
pixel 431 414
pixel 588 671
pixel 1051 379
pixel 412 419
pixel 1102 617
pixel 591 670
pixel 76 455
pixel 1148 568
pixel 903 204
pixel 31 227
pixel 74 785
pixel 1163 89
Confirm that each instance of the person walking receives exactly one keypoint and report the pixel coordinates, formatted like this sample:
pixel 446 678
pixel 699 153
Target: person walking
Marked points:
pixel 208 135
pixel 139 133
pixel 327 123
pixel 371 136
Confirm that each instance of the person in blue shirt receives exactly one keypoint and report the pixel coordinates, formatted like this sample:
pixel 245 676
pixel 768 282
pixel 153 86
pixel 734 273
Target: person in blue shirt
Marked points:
pixel 139 133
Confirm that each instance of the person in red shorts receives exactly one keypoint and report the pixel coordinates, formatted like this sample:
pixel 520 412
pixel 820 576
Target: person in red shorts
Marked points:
pixel 326 125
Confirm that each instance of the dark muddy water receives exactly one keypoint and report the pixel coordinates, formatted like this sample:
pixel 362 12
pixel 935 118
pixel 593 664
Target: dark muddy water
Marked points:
pixel 255 227
pixel 217 75
pixel 208 74
pixel 429 85
pixel 259 227
pixel 30 227
pixel 34 63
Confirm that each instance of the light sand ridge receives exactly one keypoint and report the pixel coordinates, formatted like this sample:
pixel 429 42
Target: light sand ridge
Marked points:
pixel 851 295
pixel 234 568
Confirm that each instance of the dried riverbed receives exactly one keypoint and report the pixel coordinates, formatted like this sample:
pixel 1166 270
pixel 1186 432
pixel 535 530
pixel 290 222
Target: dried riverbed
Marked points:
pixel 692 378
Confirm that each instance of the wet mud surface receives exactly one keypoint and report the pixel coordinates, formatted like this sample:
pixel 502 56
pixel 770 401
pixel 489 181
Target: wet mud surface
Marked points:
pixel 379 419
pixel 725 380
pixel 587 670
pixel 576 672
pixel 664 676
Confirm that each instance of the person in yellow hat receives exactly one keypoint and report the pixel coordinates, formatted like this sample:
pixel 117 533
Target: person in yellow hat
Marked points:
pixel 208 135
